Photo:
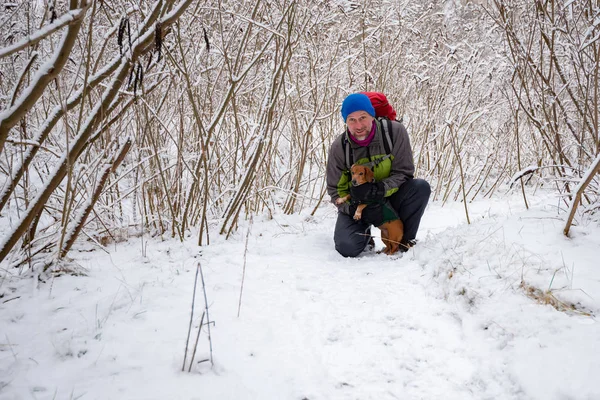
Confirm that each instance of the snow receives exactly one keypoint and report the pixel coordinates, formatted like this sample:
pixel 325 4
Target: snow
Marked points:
pixel 446 320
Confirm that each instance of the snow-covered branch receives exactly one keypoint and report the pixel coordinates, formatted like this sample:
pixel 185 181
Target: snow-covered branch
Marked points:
pixel 68 18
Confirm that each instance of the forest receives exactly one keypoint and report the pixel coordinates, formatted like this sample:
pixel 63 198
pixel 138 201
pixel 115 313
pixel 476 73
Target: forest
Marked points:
pixel 181 118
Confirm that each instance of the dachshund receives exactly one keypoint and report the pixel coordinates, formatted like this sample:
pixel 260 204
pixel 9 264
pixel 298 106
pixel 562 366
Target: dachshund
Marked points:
pixel 391 231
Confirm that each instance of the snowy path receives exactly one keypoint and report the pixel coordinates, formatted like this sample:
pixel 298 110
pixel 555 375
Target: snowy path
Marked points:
pixel 446 320
pixel 367 328
pixel 371 331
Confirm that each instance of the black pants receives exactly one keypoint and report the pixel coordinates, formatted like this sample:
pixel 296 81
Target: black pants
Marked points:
pixel 351 237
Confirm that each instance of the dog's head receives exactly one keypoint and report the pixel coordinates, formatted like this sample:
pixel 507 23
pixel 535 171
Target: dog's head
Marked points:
pixel 361 174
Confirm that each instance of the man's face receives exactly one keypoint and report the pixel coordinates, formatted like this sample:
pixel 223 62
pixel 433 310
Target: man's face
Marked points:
pixel 359 124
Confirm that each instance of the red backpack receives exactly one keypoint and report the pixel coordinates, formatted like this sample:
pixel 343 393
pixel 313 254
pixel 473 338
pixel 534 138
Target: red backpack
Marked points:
pixel 381 105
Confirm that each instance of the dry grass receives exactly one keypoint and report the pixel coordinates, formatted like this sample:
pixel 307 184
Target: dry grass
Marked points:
pixel 548 297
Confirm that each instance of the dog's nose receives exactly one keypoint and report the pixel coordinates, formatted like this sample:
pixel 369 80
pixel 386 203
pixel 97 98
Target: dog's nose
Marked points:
pixel 354 182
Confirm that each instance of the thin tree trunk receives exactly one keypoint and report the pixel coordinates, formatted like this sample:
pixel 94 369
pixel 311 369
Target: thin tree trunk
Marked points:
pixel 585 181
pixel 111 167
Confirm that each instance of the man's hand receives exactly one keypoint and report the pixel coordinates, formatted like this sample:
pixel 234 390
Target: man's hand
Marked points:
pixel 367 192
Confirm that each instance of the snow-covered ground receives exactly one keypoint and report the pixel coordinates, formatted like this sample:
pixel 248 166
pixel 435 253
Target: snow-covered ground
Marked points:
pixel 455 318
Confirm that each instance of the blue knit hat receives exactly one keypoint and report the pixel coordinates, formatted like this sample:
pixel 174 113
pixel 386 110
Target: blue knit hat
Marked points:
pixel 357 102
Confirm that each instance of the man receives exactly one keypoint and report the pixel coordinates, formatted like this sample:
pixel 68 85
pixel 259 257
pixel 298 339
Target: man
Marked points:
pixel 393 176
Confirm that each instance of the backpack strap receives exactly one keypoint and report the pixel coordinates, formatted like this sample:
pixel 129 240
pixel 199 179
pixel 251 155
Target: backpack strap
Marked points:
pixel 375 163
pixel 387 137
pixel 386 124
pixel 348 154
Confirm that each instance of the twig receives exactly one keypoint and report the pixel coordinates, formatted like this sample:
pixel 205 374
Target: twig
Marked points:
pixel 207 316
pixel 406 246
pixel 10 346
pixel 191 318
pixel 196 344
pixel 14 298
pixel 244 267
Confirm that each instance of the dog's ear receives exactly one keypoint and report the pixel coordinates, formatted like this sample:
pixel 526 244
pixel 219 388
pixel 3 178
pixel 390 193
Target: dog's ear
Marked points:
pixel 369 176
